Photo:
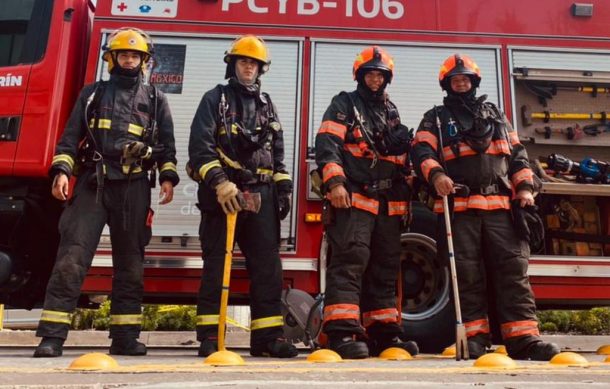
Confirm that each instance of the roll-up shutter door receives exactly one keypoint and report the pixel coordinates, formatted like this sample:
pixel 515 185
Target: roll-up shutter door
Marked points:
pixel 415 87
pixel 561 60
pixel 204 68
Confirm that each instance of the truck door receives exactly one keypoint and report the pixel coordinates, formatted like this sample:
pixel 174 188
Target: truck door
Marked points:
pixel 24 29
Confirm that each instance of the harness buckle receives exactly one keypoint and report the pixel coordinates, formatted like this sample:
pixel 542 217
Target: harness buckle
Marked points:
pixel 490 189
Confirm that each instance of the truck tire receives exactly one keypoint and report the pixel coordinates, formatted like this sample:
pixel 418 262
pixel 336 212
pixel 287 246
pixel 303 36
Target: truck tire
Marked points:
pixel 428 315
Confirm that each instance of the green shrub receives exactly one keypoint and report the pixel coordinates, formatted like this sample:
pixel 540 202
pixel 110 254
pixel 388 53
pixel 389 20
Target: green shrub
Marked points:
pixel 154 317
pixel 595 321
pixel 548 327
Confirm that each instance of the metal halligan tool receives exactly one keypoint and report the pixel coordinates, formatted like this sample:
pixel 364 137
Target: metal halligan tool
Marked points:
pixel 461 341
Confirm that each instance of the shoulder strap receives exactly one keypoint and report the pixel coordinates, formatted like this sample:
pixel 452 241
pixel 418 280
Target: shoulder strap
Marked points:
pixel 152 135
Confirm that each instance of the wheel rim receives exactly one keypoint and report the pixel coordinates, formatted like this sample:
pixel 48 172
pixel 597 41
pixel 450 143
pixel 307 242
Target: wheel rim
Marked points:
pixel 425 283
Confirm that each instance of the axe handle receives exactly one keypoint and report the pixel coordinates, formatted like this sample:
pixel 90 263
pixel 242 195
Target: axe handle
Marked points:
pixel 461 341
pixel 226 279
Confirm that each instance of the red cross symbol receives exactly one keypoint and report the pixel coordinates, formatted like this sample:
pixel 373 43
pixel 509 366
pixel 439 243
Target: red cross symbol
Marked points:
pixel 122 7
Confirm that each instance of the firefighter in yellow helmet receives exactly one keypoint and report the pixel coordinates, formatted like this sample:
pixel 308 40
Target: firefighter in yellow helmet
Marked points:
pixel 468 143
pixel 361 151
pixel 119 132
pixel 236 144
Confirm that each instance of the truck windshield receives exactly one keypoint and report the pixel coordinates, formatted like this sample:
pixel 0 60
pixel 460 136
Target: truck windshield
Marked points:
pixel 24 31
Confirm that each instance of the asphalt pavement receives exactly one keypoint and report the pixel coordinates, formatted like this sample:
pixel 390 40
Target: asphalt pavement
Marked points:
pixel 172 363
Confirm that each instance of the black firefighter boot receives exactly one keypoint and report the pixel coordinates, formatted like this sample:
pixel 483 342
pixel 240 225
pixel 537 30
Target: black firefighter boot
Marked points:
pixel 348 347
pixel 476 349
pixel 127 346
pixel 277 348
pixel 49 347
pixel 542 351
pixel 208 346
pixel 378 346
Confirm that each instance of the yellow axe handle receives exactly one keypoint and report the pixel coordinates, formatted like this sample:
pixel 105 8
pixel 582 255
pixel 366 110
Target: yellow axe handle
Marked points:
pixel 226 279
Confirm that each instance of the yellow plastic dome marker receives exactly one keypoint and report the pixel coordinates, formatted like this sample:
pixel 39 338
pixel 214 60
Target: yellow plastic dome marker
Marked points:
pixel 395 354
pixel 501 350
pixel 324 356
pixel 223 357
pixel 449 351
pixel 93 361
pixel 569 358
pixel 604 350
pixel 496 361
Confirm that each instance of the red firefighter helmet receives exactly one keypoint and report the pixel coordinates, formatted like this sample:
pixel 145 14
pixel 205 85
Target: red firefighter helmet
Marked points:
pixel 459 64
pixel 373 58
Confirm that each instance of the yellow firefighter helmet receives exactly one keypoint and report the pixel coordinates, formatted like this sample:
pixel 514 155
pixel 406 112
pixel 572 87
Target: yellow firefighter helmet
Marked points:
pixel 127 38
pixel 252 47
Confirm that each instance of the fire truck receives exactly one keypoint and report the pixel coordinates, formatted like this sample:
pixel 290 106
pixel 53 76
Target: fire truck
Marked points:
pixel 537 59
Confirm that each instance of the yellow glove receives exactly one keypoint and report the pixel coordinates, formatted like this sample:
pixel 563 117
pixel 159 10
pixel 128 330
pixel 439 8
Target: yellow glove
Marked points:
pixel 226 194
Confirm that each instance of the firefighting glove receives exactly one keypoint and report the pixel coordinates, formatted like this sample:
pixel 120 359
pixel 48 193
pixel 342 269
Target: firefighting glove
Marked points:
pixel 528 224
pixel 136 150
pixel 226 194
pixel 284 204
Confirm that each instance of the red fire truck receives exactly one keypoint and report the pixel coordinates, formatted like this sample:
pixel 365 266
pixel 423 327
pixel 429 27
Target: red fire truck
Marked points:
pixel 536 58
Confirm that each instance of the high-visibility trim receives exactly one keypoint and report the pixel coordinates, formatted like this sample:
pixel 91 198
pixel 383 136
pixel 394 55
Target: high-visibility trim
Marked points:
pixel 522 175
pixel 228 161
pixel 486 203
pixel 277 177
pixel 102 124
pixel 341 312
pixel 267 172
pixel 514 138
pixel 397 208
pixel 135 129
pixel 332 170
pixel 223 131
pixel 366 204
pixel 357 152
pixel 208 166
pixel 333 128
pixel 168 166
pixel 475 327
pixel 519 328
pixel 128 169
pixel 464 151
pixel 66 158
pixel 266 322
pixel 497 147
pixel 426 137
pixel 207 320
pixel 125 320
pixel 427 166
pixel 56 317
pixel 388 315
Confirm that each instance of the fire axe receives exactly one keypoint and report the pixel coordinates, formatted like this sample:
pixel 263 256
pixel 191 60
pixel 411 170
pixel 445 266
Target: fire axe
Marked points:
pixel 461 341
pixel 248 202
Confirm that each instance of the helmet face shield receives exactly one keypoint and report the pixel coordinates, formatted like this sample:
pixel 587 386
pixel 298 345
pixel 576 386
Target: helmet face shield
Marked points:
pixel 248 46
pixel 373 58
pixel 127 39
pixel 459 64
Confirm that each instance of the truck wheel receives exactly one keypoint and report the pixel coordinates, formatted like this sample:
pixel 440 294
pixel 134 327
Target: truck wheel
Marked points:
pixel 428 315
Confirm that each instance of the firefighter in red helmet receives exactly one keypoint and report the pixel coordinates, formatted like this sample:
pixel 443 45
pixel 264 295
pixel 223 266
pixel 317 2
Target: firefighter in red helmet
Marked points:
pixel 468 143
pixel 361 151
